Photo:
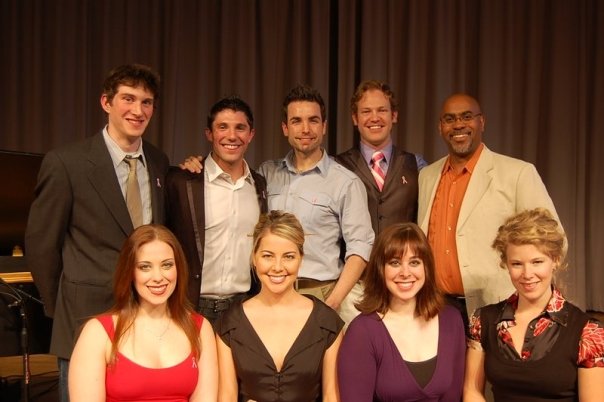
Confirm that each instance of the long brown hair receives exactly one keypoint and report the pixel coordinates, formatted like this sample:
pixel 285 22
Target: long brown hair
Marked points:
pixel 127 301
pixel 392 243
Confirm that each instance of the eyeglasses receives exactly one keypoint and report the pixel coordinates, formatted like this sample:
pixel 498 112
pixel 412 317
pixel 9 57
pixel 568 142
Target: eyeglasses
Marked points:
pixel 464 117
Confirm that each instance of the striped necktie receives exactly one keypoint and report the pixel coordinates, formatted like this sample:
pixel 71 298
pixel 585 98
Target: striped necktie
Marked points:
pixel 376 169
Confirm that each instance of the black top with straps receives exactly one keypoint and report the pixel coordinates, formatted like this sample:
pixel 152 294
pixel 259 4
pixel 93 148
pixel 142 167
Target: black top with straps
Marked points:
pixel 553 377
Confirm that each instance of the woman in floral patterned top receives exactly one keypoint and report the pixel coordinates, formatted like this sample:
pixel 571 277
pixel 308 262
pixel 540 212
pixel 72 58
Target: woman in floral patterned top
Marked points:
pixel 534 346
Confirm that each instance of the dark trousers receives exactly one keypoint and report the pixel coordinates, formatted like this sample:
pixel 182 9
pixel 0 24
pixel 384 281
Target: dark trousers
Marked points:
pixel 63 374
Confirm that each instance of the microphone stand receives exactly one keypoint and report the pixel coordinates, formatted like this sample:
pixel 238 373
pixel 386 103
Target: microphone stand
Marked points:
pixel 20 297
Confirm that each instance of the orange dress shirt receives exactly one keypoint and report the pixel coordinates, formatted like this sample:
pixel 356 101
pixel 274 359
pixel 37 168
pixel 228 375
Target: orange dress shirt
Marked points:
pixel 443 224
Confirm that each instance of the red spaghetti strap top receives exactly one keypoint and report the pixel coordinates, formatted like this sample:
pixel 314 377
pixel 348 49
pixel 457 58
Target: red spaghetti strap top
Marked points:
pixel 126 381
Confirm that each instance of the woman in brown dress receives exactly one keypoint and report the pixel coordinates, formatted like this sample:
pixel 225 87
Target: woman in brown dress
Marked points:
pixel 278 345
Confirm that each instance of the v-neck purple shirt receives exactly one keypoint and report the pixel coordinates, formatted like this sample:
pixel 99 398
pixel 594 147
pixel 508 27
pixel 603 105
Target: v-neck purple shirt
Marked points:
pixel 370 367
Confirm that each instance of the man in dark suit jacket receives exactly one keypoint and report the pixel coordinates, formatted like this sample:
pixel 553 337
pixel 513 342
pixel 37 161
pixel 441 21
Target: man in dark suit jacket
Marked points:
pixel 79 218
pixel 392 198
pixel 213 214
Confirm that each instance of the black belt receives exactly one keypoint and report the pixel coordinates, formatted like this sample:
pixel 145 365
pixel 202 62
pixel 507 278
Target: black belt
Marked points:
pixel 307 283
pixel 218 305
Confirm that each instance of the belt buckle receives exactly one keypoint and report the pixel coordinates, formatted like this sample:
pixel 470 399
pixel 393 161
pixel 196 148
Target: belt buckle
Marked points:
pixel 221 305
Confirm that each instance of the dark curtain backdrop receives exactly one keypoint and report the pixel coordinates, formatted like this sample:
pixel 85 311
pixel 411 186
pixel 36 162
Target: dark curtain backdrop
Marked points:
pixel 536 66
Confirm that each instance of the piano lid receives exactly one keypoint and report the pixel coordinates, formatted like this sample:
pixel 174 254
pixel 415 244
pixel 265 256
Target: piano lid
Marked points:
pixel 17 184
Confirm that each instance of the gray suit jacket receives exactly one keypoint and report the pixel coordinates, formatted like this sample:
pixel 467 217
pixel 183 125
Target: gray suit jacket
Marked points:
pixel 76 227
pixel 500 186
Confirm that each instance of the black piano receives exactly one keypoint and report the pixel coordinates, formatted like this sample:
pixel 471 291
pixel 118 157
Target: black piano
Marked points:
pixel 19 172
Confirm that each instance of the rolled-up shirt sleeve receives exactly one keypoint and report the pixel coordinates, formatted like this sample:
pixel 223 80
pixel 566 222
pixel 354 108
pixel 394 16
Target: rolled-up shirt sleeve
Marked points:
pixel 356 221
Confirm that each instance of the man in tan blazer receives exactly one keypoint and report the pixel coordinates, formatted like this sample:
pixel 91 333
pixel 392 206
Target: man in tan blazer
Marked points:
pixel 464 198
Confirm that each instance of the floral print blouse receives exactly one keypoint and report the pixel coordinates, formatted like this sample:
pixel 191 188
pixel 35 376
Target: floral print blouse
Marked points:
pixel 542 333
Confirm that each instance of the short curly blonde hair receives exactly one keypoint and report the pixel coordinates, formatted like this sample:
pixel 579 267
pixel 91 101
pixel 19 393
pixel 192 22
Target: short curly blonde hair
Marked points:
pixel 537 227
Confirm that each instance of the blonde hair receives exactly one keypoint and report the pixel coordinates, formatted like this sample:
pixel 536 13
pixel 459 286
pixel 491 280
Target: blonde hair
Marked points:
pixel 282 224
pixel 536 227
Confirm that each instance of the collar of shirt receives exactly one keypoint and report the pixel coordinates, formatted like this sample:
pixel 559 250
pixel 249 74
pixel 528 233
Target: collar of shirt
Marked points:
pixel 554 310
pixel 368 151
pixel 214 171
pixel 322 165
pixel 117 154
pixel 471 163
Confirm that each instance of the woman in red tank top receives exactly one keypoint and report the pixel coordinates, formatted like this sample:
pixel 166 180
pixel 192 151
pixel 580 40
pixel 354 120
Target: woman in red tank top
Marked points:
pixel 150 345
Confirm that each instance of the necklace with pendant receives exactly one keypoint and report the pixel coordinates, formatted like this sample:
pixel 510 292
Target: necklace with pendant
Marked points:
pixel 161 335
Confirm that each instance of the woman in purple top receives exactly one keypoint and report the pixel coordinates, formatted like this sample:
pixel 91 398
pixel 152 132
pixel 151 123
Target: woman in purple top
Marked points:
pixel 406 345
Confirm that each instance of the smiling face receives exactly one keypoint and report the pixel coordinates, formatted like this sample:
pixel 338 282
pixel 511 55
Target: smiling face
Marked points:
pixel 374 118
pixel 129 113
pixel 531 272
pixel 230 136
pixel 405 276
pixel 155 273
pixel 304 128
pixel 462 137
pixel 277 261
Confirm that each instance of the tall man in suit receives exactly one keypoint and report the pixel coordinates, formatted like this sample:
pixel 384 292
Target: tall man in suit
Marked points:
pixel 218 244
pixel 80 217
pixel 389 173
pixel 464 198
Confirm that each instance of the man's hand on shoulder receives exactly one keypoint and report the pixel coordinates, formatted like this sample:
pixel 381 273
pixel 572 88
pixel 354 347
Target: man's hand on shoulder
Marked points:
pixel 193 164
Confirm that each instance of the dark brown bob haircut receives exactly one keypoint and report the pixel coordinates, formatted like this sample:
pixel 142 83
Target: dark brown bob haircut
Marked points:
pixel 394 242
